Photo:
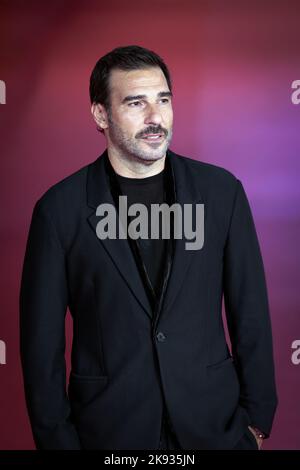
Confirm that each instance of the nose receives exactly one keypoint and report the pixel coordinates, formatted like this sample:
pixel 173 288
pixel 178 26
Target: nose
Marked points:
pixel 153 116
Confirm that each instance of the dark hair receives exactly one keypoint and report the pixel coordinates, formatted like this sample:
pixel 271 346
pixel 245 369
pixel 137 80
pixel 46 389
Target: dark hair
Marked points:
pixel 123 58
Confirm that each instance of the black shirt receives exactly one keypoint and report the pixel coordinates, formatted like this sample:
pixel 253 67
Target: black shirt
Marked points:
pixel 154 189
pixel 147 191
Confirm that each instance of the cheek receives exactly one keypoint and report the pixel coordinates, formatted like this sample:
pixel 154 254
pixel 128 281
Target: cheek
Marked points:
pixel 168 122
pixel 134 124
pixel 168 117
pixel 129 124
pixel 132 119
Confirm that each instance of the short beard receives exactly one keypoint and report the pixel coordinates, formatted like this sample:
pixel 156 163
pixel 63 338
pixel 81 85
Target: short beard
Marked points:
pixel 130 147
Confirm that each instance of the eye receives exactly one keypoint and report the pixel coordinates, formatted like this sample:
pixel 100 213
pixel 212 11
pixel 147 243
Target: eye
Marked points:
pixel 165 100
pixel 134 103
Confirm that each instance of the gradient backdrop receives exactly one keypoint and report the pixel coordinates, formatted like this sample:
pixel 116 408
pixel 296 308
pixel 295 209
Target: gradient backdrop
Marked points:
pixel 232 63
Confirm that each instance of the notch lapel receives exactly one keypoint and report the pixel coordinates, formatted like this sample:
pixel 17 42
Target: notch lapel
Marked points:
pixel 186 192
pixel 119 250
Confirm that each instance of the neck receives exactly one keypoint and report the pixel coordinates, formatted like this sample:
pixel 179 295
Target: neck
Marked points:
pixel 135 168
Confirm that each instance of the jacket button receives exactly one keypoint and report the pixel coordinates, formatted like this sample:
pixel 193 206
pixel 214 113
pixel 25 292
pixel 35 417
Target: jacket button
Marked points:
pixel 160 336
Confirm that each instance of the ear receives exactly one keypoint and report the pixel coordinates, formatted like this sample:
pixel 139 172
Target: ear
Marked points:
pixel 100 116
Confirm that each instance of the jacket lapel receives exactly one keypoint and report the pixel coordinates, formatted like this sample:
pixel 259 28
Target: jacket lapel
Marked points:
pixel 98 192
pixel 186 192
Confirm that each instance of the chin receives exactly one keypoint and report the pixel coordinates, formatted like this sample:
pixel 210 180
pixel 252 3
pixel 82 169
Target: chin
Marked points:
pixel 151 156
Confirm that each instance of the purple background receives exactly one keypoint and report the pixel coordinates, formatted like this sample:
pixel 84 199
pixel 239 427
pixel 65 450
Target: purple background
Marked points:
pixel 232 65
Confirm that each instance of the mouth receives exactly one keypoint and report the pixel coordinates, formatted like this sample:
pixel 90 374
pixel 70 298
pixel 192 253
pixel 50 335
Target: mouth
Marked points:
pixel 153 137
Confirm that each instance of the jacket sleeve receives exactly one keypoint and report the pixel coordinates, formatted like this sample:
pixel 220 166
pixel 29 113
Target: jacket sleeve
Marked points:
pixel 247 313
pixel 43 304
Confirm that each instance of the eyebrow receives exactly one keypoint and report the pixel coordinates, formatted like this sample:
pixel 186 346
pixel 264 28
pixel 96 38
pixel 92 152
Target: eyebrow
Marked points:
pixel 161 94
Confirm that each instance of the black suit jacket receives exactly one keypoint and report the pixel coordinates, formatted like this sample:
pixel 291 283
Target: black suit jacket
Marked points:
pixel 126 361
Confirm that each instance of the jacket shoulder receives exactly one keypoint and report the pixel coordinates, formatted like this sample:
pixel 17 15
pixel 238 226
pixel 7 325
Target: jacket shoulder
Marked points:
pixel 69 190
pixel 207 170
pixel 207 176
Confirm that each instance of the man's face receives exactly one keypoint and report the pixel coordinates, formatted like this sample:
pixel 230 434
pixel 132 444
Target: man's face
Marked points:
pixel 141 117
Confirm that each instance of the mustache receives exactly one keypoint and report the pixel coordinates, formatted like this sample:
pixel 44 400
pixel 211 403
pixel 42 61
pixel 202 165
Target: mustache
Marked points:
pixel 152 130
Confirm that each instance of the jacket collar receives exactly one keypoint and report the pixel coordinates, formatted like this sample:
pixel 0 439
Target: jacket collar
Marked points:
pixel 185 192
pixel 98 186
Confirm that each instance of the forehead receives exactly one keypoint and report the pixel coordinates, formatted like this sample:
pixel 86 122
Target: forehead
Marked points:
pixel 143 81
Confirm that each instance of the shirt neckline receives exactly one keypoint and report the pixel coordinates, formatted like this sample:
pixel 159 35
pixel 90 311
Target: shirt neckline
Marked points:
pixel 140 181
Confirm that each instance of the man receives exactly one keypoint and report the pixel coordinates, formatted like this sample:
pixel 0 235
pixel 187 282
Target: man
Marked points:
pixel 151 367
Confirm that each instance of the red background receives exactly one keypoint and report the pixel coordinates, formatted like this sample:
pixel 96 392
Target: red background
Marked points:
pixel 232 64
